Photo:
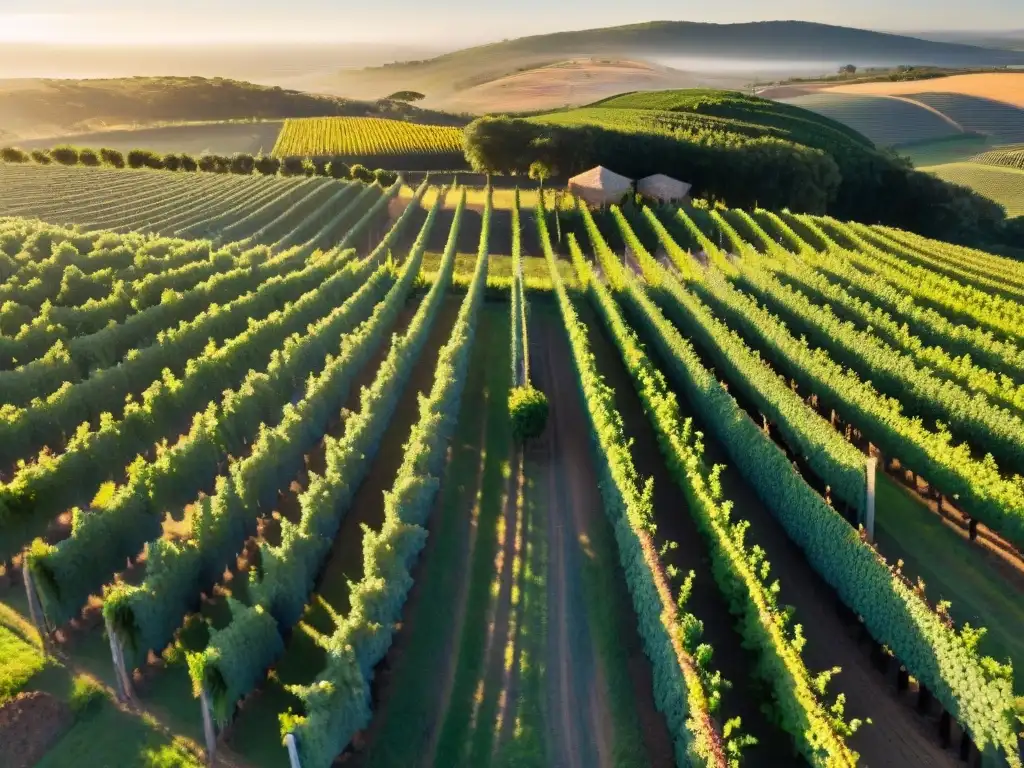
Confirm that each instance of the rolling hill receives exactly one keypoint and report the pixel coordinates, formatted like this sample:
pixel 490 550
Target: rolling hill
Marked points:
pixel 35 109
pixel 934 121
pixel 887 121
pixel 789 41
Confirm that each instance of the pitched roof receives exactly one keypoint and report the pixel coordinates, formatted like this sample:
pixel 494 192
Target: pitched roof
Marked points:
pixel 664 187
pixel 600 177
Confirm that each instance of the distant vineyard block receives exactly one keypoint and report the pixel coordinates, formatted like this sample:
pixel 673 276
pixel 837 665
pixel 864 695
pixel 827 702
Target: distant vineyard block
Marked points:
pixel 365 137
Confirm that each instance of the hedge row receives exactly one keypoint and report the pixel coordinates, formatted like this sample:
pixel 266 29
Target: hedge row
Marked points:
pixel 241 163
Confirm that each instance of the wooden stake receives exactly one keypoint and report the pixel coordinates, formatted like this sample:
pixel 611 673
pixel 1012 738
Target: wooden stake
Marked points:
pixel 945 723
pixel 869 506
pixel 965 746
pixel 293 750
pixel 209 730
pixel 118 660
pixel 35 608
pixel 924 698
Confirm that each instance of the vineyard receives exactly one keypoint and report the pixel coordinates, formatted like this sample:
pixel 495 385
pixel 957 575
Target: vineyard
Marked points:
pixel 299 469
pixel 365 137
pixel 1000 182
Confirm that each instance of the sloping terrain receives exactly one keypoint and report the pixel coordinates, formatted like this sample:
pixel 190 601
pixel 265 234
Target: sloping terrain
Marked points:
pixel 1007 87
pixel 1005 185
pixel 787 41
pixel 31 109
pixel 571 82
pixel 886 121
pixel 225 138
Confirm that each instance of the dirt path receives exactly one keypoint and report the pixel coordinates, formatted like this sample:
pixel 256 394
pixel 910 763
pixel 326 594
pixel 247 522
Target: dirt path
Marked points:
pixel 585 707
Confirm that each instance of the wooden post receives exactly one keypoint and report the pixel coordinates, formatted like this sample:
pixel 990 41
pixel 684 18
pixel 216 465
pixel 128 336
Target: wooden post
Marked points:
pixel 121 676
pixel 35 608
pixel 209 730
pixel 293 750
pixel 965 746
pixel 972 528
pixel 924 698
pixel 945 723
pixel 869 506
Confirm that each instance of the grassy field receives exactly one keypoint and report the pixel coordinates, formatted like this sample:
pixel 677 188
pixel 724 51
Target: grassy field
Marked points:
pixel 1002 184
pixel 101 732
pixel 19 662
pixel 952 149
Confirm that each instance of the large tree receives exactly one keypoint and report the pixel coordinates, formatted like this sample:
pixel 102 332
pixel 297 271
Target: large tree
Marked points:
pixel 408 96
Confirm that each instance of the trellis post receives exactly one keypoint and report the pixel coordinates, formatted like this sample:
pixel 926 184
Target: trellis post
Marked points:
pixel 869 504
pixel 293 750
pixel 35 607
pixel 209 730
pixel 121 676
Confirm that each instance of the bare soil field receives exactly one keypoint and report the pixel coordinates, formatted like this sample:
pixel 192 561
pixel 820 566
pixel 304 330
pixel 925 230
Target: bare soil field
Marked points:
pixel 578 81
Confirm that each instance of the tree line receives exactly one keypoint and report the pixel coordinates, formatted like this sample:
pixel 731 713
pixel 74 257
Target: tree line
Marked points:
pixel 242 163
pixel 855 183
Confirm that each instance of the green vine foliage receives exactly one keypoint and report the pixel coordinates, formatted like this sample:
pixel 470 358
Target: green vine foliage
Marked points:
pixel 103 538
pixel 976 692
pixel 528 409
pixel 228 665
pixel 337 703
pixel 55 483
pixel 742 572
pixel 154 609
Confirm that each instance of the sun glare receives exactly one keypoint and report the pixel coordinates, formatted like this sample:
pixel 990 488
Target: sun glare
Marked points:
pixel 33 27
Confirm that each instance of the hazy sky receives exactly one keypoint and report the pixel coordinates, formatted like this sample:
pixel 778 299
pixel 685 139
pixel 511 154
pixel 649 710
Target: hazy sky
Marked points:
pixel 448 22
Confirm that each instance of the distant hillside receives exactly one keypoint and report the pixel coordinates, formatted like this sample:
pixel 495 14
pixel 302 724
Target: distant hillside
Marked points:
pixel 32 109
pixel 789 41
pixel 936 121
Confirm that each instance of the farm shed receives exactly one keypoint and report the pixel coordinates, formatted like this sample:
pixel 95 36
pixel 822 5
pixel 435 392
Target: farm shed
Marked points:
pixel 599 186
pixel 664 188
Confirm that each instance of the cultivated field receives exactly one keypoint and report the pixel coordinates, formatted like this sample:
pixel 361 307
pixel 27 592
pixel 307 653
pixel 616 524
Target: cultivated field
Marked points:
pixel 261 481
pixel 1011 156
pixel 1006 87
pixel 886 121
pixel 572 82
pixel 365 137
pixel 1002 183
